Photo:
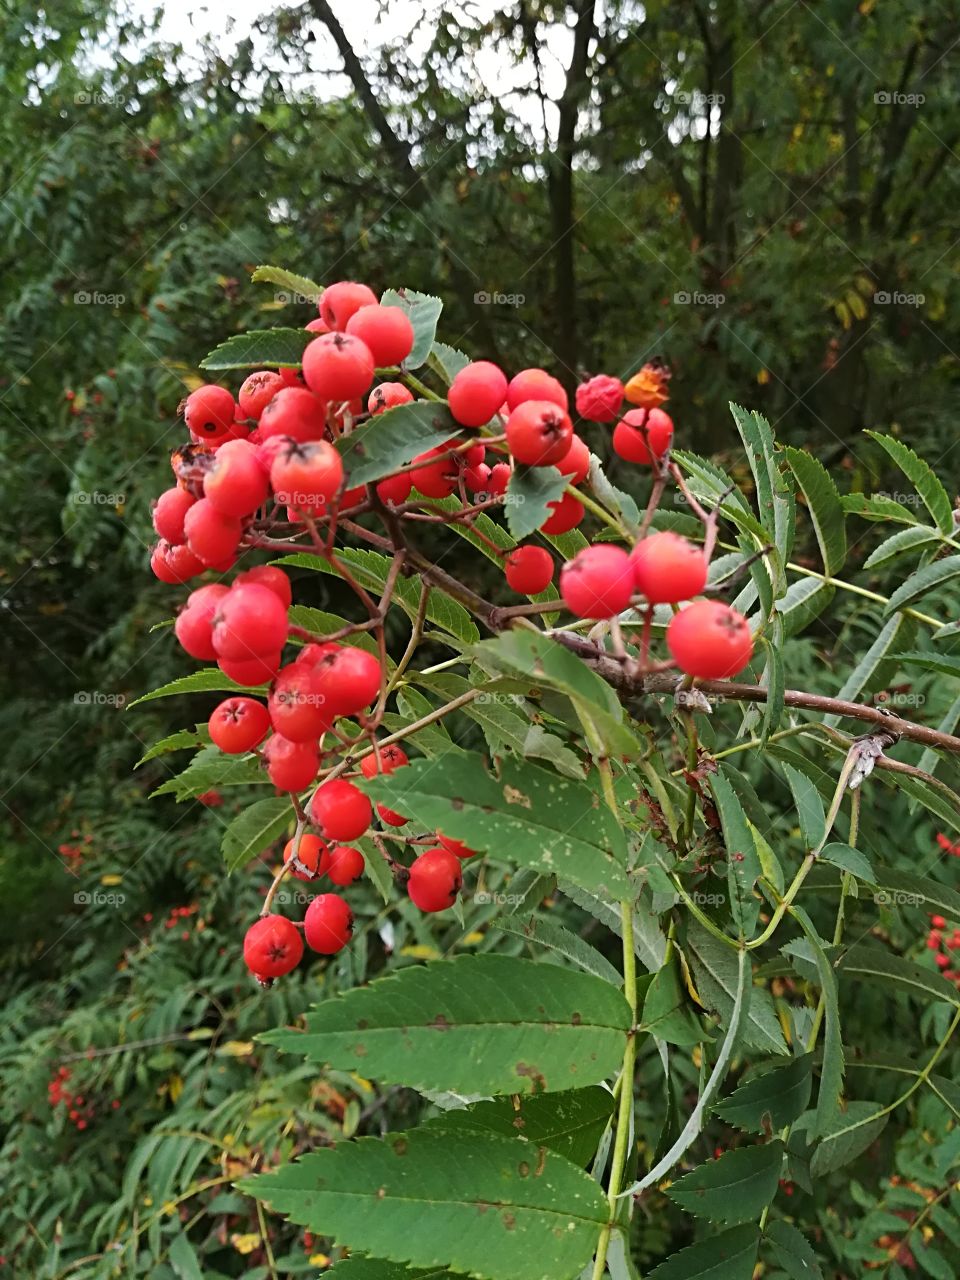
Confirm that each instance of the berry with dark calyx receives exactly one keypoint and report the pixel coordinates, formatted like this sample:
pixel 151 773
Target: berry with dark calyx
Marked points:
pixel 291 766
pixel 268 575
pixel 169 511
pixel 438 479
pixel 597 582
pixel 209 411
pixel 306 476
pixel 387 331
pixel 250 621
pixel 351 680
pixel 237 483
pixel 643 435
pixel 575 464
pixel 395 490
pixel 174 565
pixel 312 853
pixel 238 724
pixel 456 847
pixel 710 640
pixel 313 654
pixel 668 568
pixel 340 301
pixel 529 569
pixel 387 396
pixel 212 536
pixel 383 760
pixel 297 704
pixel 340 810
pixel 565 514
pixel 435 880
pixel 476 393
pixel 257 391
pixel 600 398
pixel 346 865
pixel 535 384
pixel 328 924
pixel 194 626
pixel 337 366
pixel 295 412
pixel 539 433
pixel 272 947
pixel 252 671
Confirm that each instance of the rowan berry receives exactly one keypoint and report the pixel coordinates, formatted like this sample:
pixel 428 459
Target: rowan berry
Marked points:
pixel 387 332
pixel 597 582
pixel 395 490
pixel 208 411
pixel 250 671
pixel 298 705
pixel 340 810
pixel 306 476
pixel 328 924
pixel 237 483
pixel 257 391
pixel 668 568
pixel 643 435
pixel 291 766
pixel 599 399
pixel 312 853
pixel 535 384
pixel 575 464
pixel 435 880
pixel 529 569
pixel 294 412
pixel 498 479
pixel 456 847
pixel 340 301
pixel 383 760
pixel 250 621
pixel 565 514
pixel 211 535
pixel 710 640
pixel 268 575
pixel 168 514
pixel 175 565
pixel 238 724
pixel 346 865
pixel 338 366
pixel 476 393
pixel 194 626
pixel 387 396
pixel 272 947
pixel 539 433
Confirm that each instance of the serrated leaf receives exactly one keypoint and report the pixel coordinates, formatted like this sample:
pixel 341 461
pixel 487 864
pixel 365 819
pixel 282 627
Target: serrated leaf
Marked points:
pixel 913 538
pixel 649 944
pixel 735 1187
pixel 255 829
pixel 359 1268
pixel 823 504
pixel 615 500
pixel 667 1014
pixel 210 770
pixel 873 964
pixel 743 864
pixel 805 600
pixel 832 1065
pixel 530 491
pixel 306 289
pixel 447 361
pixel 852 860
pixel 848 1135
pixel 731 1255
pixel 863 672
pixel 569 1123
pixel 775 501
pixel 770 1101
pixel 478 1025
pixel 791 1251
pixel 877 507
pixel 389 440
pixel 260 349
pixel 924 580
pixel 943 664
pixel 209 680
pixel 715 971
pixel 931 491
pixel 178 741
pixel 556 938
pixel 773 678
pixel 423 311
pixel 531 816
pixel 808 804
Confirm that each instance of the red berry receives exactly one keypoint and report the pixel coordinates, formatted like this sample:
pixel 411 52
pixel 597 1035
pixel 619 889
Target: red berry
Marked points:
pixel 439 479
pixel 387 396
pixel 250 621
pixel 251 671
pixel 575 464
pixel 456 847
pixel 298 705
pixel 391 817
pixel 387 331
pixel 346 865
pixel 943 961
pixel 395 489
pixel 291 766
pixel 194 626
pixel 340 810
pixel 312 655
pixel 529 570
pixel 306 476
pixel 272 947
pixel 668 568
pixel 312 854
pixel 600 398
pixel 340 301
pixel 212 536
pixel 268 575
pixel 567 512
pixel 236 484
pixel 539 433
pixel 642 433
pixel 328 924
pixel 710 640
pixel 383 760
pixel 597 582
pixel 257 391
pixel 938 922
pixel 535 384
pixel 498 479
pixel 209 411
pixel 168 514
pixel 933 941
pixel 435 880
pixel 238 724
pixel 476 393
pixel 174 565
pixel 352 680
pixel 477 479
pixel 338 366
pixel 294 412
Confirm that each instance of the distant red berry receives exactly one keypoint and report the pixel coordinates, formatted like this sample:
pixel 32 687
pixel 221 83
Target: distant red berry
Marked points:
pixel 340 810
pixel 386 330
pixel 383 760
pixel 642 435
pixel 943 961
pixel 387 396
pixel 435 880
pixel 529 570
pixel 668 568
pixel 597 582
pixel 710 640
pixel 599 399
pixel 272 947
pixel 168 514
pixel 257 391
pixel 938 922
pixel 313 853
pixel 337 366
pixel 328 924
pixel 476 393
pixel 340 301
pixel 346 865
pixel 539 433
pixel 238 724
pixel 535 384
pixel 208 411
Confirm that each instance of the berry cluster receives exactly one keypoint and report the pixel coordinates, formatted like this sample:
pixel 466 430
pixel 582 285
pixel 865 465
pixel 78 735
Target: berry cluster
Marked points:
pixel 265 470
pixel 79 1110
pixel 941 944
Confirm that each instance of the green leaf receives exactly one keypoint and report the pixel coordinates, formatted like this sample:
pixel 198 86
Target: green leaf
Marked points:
pixel 773 678
pixel 184 1260
pixel 209 680
pixel 775 501
pixel 731 1255
pixel 569 1123
pixel 556 938
pixel 848 1135
pixel 791 1251
pixel 260 349
pixel 715 968
pixel 496 1207
pixel 903 888
pixel 929 578
pixel 322 624
pixel 805 600
pixel 389 440
pixel 530 816
pixel 743 864
pixel 931 491
pixel 359 1268
pixel 873 964
pixel 475 1025
pixel 615 500
pixel 913 538
pixel 255 829
pixel 530 491
pixel 175 742
pixel 877 507
pixel 930 759
pixel 823 504
pixel 941 663
pixel 735 1187
pixel 649 944
pixel 809 806
pixel 209 770
pixel 863 672
pixel 852 860
pixel 423 311
pixel 447 361
pixel 770 1101
pixel 289 281
pixel 832 1066
pixel 667 1013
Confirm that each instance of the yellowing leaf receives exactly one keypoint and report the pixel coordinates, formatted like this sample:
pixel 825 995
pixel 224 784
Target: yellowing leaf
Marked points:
pixel 319 1260
pixel 419 951
pixel 473 939
pixel 246 1243
pixel 175 1086
pixel 235 1048
pixel 111 880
